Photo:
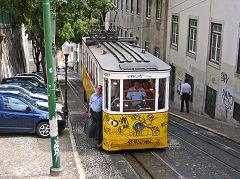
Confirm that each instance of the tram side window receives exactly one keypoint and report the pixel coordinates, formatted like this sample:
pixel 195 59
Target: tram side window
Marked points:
pixel 87 64
pixel 96 75
pixel 83 59
pixel 106 93
pixel 92 73
pixel 115 95
pixel 139 95
pixel 161 93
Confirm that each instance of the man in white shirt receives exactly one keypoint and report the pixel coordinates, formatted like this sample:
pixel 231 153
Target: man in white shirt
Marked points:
pixel 185 93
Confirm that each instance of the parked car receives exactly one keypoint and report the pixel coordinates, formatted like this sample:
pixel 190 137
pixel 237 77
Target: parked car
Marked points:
pixel 19 114
pixel 31 74
pixel 29 82
pixel 40 73
pixel 35 96
pixel 23 82
pixel 24 93
pixel 32 79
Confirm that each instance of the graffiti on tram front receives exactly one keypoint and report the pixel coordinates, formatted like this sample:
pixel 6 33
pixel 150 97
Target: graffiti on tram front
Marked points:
pixel 122 125
pixel 142 142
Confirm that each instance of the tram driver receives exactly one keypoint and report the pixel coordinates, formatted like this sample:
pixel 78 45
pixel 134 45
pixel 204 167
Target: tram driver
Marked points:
pixel 136 93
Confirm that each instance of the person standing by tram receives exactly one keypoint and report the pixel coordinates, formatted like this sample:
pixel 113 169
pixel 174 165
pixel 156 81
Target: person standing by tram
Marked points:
pixel 185 93
pixel 95 111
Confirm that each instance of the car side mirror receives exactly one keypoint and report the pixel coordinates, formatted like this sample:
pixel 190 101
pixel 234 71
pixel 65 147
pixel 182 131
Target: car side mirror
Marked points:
pixel 28 109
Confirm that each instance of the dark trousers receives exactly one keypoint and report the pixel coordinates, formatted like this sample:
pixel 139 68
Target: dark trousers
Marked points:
pixel 97 117
pixel 185 97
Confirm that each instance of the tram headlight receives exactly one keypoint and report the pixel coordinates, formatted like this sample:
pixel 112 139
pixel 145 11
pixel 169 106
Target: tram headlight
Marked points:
pixel 138 126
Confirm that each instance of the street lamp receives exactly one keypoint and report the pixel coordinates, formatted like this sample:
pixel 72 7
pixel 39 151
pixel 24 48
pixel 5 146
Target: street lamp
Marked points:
pixel 66 50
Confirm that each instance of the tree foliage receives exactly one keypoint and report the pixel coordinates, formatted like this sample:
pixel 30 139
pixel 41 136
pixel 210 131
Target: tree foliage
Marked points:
pixel 81 14
pixel 73 18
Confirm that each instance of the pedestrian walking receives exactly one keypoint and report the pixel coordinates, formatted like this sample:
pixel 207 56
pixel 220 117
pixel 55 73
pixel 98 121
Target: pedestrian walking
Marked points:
pixel 95 111
pixel 185 93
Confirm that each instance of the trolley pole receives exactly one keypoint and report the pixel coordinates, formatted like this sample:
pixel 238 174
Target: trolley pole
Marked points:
pixel 56 168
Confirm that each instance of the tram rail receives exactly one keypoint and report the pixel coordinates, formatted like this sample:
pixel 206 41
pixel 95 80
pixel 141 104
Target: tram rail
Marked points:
pixel 142 162
pixel 135 159
pixel 214 149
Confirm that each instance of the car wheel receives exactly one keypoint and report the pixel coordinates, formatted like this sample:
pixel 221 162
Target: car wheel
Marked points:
pixel 43 129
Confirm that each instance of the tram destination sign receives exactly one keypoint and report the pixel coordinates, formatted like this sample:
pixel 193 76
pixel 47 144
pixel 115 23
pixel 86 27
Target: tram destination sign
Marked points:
pixel 129 75
pixel 138 76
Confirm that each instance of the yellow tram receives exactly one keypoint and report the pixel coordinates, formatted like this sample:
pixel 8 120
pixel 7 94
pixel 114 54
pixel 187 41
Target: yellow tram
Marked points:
pixel 135 93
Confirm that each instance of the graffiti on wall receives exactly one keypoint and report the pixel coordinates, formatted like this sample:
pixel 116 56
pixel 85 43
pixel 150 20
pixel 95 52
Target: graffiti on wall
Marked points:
pixel 224 77
pixel 227 99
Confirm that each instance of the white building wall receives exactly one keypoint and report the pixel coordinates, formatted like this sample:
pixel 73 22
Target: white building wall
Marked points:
pixel 147 29
pixel 222 77
pixel 25 44
pixel 13 51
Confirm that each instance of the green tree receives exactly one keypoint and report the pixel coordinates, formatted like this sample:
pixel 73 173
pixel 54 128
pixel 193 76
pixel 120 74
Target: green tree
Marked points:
pixel 74 19
pixel 29 13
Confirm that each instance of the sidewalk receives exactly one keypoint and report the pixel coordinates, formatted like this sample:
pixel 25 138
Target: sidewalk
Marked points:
pixel 224 129
pixel 28 156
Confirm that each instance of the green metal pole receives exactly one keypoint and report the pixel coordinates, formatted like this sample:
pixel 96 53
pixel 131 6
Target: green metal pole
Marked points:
pixel 56 168
pixel 65 96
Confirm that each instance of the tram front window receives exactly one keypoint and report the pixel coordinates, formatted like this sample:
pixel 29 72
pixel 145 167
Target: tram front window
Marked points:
pixel 115 95
pixel 106 94
pixel 161 93
pixel 139 95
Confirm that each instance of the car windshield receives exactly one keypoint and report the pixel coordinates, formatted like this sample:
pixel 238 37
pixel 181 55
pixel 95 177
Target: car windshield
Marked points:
pixel 27 98
pixel 23 91
pixel 39 77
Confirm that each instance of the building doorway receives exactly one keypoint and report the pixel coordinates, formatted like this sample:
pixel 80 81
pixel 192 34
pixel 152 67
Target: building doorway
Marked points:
pixel 210 101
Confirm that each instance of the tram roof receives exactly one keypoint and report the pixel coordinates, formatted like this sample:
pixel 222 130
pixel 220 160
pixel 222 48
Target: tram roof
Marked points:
pixel 120 56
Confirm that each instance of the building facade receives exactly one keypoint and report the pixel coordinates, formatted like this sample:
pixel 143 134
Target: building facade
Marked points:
pixel 200 39
pixel 13 48
pixel 145 20
pixel 203 46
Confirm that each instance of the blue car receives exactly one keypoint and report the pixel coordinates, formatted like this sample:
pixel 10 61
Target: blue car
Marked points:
pixel 19 114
